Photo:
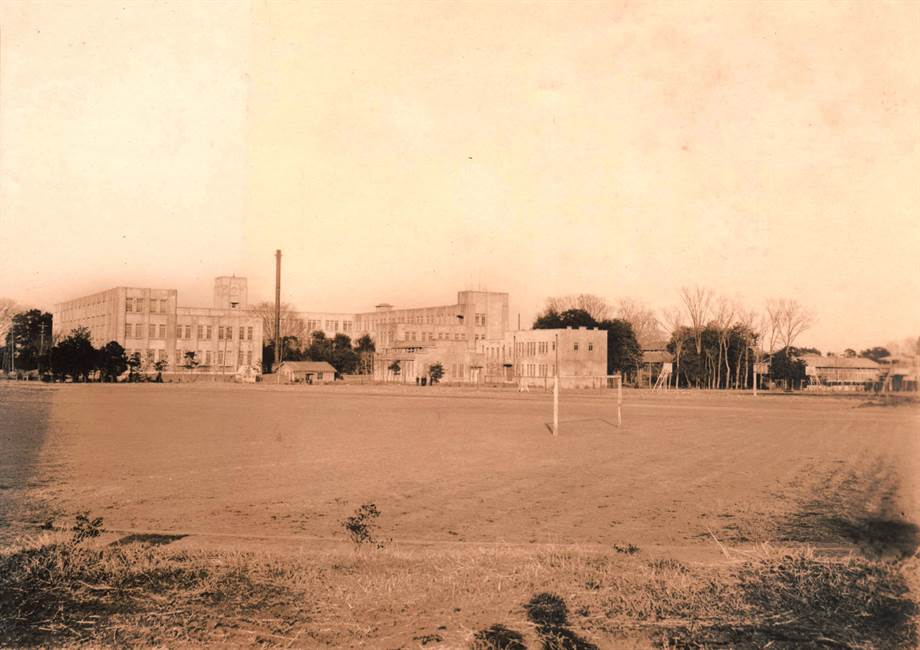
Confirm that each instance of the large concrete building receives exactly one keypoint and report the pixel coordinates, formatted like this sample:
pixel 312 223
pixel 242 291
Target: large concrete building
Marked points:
pixel 471 338
pixel 150 322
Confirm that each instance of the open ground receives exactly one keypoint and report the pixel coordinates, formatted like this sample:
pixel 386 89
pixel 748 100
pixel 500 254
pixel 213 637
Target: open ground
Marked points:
pixel 471 486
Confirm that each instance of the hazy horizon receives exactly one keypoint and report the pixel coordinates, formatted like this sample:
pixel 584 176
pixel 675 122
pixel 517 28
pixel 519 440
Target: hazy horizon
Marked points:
pixel 403 152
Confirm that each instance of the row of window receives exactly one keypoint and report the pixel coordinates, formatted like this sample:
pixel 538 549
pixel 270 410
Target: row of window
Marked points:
pixel 158 331
pixel 445 316
pixel 206 332
pixel 310 326
pixel 136 331
pixel 203 357
pixel 136 305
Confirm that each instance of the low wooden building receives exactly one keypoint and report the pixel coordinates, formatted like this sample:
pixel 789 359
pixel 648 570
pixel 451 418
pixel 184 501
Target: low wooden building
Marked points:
pixel 840 372
pixel 306 372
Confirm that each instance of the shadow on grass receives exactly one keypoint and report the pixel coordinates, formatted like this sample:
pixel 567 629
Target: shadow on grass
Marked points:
pixel 797 601
pixel 62 593
pixel 550 614
pixel 498 637
pixel 150 539
pixel 878 537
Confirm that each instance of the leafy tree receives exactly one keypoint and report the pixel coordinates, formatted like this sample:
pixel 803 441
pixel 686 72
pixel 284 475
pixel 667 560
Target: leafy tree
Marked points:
pixel 365 349
pixel 850 353
pixel 112 361
pixel 134 364
pixel 786 367
pixel 623 350
pixel 190 360
pixel 160 366
pixel 320 348
pixel 802 351
pixel 74 356
pixel 344 358
pixel 876 354
pixel 551 319
pixel 436 372
pixel 31 331
pixel 291 349
pixel 395 368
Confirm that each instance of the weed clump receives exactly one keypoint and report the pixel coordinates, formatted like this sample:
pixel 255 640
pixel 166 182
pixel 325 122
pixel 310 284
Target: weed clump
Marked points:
pixel 360 526
pixel 86 528
pixel 498 637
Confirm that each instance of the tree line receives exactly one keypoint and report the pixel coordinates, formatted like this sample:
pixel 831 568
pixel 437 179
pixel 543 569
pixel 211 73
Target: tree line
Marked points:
pixel 338 351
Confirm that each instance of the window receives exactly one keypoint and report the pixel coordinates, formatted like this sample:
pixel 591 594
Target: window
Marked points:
pixel 249 357
pixel 208 332
pixel 248 333
pixel 242 332
pixel 149 356
pixel 129 304
pixel 200 332
pixel 152 331
pixel 576 347
pixel 127 329
pixel 590 347
pixel 162 305
pixel 220 333
pixel 138 304
pixel 220 358
pixel 188 331
pixel 207 357
pixel 162 331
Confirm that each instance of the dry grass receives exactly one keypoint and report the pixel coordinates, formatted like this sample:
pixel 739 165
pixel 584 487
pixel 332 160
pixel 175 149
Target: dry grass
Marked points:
pixel 54 592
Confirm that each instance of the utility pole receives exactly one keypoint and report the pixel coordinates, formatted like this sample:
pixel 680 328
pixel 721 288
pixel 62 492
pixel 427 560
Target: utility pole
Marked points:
pixel 277 307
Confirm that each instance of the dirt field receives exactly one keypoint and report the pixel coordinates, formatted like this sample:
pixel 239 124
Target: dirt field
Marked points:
pixel 223 510
pixel 449 465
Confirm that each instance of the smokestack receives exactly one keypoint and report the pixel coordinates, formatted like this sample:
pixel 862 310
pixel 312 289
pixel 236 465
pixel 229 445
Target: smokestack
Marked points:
pixel 277 307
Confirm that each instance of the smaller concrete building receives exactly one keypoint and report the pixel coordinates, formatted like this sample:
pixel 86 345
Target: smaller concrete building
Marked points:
pixel 529 357
pixel 306 372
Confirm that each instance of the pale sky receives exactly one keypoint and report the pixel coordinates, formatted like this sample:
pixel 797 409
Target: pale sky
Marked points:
pixel 403 151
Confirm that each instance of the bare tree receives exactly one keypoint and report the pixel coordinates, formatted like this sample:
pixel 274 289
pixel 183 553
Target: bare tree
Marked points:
pixel 788 320
pixel 597 307
pixel 723 318
pixel 291 325
pixel 697 301
pixel 674 321
pixel 8 309
pixel 752 332
pixel 642 319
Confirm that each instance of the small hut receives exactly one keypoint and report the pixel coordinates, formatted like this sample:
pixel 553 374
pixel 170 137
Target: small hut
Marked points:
pixel 306 372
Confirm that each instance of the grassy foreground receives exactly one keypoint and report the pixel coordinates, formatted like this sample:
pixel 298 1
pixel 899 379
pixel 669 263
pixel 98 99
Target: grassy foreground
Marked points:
pixel 57 592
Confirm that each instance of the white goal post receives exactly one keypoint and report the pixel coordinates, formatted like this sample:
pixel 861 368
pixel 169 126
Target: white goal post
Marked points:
pixel 602 381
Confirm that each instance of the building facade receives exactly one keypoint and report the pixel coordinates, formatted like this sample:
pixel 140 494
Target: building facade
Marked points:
pixel 530 357
pixel 840 373
pixel 471 338
pixel 150 322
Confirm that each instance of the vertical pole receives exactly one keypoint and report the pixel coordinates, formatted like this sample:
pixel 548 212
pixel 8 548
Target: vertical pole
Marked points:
pixel 277 307
pixel 619 399
pixel 755 379
pixel 556 405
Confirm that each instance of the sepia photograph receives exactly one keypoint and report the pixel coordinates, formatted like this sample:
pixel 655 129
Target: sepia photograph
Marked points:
pixel 460 324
